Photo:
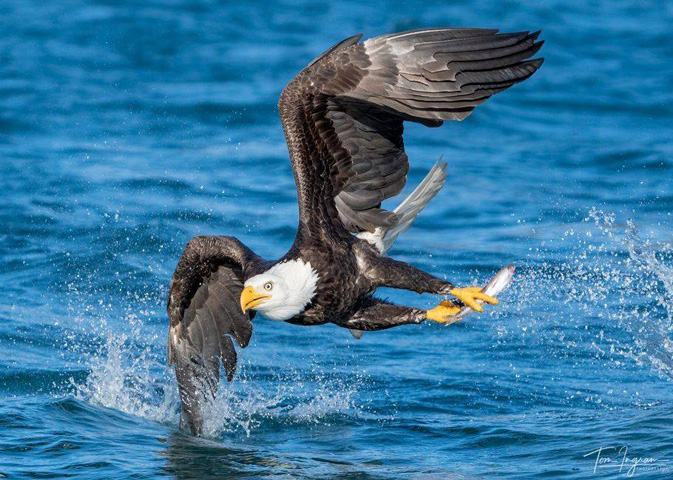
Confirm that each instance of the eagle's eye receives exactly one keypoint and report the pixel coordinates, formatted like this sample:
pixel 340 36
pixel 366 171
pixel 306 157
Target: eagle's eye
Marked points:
pixel 268 286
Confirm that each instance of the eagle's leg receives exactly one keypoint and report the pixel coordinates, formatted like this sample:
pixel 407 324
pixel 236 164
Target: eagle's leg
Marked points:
pixel 387 272
pixel 379 315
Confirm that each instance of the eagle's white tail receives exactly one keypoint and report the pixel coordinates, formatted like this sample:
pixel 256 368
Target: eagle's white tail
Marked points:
pixel 408 210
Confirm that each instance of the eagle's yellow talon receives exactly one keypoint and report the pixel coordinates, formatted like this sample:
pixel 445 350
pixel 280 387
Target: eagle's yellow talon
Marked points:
pixel 442 312
pixel 470 295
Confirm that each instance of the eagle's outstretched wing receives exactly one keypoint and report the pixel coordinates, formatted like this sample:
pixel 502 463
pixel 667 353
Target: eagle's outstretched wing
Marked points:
pixel 205 314
pixel 343 114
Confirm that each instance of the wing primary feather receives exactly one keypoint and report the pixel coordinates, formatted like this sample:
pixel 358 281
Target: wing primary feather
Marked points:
pixel 204 314
pixel 343 115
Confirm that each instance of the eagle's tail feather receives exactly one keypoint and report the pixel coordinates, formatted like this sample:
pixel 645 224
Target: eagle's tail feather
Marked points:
pixel 407 211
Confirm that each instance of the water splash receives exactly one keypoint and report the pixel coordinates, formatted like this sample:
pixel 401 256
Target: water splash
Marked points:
pixel 126 376
pixel 295 397
pixel 617 292
pixel 647 273
pixel 601 289
pixel 130 375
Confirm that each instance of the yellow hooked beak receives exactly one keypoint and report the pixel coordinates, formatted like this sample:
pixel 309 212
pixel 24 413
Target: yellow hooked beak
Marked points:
pixel 250 298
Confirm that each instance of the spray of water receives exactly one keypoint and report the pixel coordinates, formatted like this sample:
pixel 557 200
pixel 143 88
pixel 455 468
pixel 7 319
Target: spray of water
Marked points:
pixel 127 376
pixel 128 373
pixel 617 286
pixel 608 288
pixel 645 284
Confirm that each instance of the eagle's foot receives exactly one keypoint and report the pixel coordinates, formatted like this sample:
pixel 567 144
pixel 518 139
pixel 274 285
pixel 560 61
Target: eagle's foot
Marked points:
pixel 443 312
pixel 470 295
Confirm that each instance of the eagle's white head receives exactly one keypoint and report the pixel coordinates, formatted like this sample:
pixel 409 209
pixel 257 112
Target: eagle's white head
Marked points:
pixel 281 292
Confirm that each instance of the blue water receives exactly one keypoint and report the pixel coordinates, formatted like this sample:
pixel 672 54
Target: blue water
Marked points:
pixel 127 127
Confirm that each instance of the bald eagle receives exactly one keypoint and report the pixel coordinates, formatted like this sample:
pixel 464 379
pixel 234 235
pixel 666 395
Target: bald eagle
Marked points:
pixel 343 118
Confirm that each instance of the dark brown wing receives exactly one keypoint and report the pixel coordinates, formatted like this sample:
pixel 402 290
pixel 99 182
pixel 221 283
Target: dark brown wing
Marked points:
pixel 343 114
pixel 205 315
